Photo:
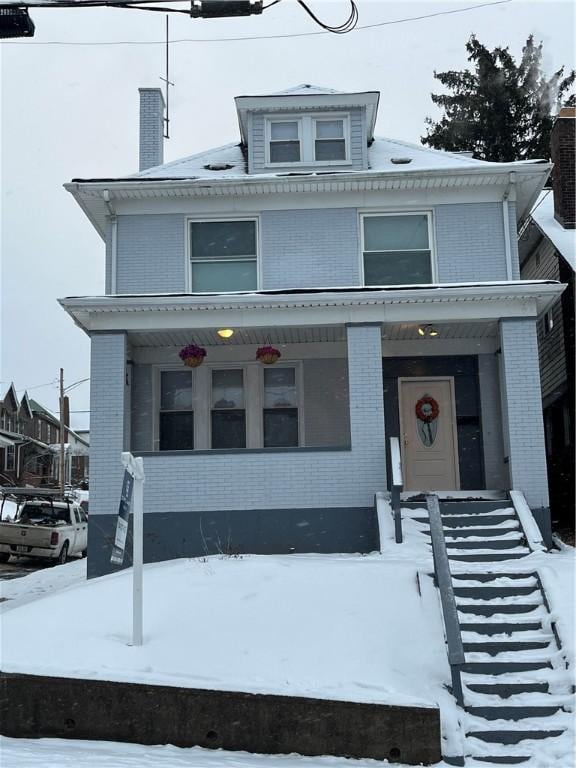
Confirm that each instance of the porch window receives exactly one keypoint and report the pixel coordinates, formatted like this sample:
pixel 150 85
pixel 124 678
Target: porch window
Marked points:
pixel 223 256
pixel 228 417
pixel 397 249
pixel 176 411
pixel 280 408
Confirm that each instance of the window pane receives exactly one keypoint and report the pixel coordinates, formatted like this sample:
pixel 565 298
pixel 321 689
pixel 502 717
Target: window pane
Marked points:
pixel 175 390
pixel 177 431
pixel 395 233
pixel 223 276
pixel 284 152
pixel 284 131
pixel 228 389
pixel 279 387
pixel 281 428
pixel 400 268
pixel 223 239
pixel 228 429
pixel 331 150
pixel 329 129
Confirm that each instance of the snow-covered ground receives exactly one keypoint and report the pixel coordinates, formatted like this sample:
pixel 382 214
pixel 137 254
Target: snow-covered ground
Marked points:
pixel 56 753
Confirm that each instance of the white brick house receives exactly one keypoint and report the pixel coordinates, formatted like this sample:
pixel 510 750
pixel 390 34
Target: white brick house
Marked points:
pixel 382 271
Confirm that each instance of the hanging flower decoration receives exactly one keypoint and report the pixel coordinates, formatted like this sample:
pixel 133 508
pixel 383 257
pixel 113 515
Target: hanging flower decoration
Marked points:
pixel 427 409
pixel 268 354
pixel 192 355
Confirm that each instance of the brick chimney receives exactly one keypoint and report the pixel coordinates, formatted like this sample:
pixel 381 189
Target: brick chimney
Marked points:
pixel 151 127
pixel 564 174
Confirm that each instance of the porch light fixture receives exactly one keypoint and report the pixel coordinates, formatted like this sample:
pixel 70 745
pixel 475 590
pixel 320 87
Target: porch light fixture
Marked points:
pixel 225 333
pixel 427 330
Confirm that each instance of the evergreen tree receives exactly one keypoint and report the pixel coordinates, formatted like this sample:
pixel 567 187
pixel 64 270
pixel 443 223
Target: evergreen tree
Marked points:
pixel 501 111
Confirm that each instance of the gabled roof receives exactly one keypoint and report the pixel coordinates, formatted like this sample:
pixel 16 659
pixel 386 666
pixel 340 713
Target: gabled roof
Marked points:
pixel 304 88
pixel 25 405
pixel 564 240
pixel 41 411
pixel 11 399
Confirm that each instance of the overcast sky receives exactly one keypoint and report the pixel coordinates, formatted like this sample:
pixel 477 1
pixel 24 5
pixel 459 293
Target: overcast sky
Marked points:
pixel 70 110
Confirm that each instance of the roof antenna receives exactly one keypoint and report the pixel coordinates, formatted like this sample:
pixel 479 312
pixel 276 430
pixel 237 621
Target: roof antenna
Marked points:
pixel 166 80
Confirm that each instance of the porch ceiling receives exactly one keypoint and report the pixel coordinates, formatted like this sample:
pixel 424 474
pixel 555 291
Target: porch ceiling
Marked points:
pixel 208 337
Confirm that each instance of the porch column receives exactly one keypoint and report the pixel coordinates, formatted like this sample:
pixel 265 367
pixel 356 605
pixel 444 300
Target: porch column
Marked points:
pixel 367 396
pixel 108 405
pixel 522 406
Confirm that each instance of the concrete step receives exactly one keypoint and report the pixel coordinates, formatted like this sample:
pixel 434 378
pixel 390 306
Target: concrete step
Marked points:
pixel 503 667
pixel 512 713
pixel 490 558
pixel 494 648
pixel 512 737
pixel 502 543
pixel 505 690
pixel 488 592
pixel 488 577
pixel 499 759
pixel 469 521
pixel 500 627
pixel 474 506
pixel 468 531
pixel 484 609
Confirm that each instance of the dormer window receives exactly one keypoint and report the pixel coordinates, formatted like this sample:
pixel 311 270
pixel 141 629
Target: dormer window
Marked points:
pixel 308 140
pixel 285 141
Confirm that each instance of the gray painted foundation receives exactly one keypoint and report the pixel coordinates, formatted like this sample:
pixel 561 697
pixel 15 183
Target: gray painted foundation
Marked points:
pixel 36 707
pixel 171 535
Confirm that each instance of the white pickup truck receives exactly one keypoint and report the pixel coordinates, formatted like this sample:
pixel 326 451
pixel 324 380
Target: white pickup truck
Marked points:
pixel 45 528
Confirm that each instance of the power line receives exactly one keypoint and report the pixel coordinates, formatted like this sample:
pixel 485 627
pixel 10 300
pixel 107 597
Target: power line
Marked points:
pixel 406 20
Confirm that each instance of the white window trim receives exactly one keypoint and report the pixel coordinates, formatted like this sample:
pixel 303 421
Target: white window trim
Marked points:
pixel 7 453
pixel 211 219
pixel 413 212
pixel 253 402
pixel 307 136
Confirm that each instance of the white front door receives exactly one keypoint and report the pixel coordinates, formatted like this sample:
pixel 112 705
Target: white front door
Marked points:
pixel 428 434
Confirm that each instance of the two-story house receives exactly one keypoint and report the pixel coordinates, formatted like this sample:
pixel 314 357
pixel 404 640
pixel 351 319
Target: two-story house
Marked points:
pixel 547 246
pixel 385 274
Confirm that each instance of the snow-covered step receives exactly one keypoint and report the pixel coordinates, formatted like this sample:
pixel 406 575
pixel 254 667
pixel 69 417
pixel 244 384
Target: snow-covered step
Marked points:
pixel 482 667
pixel 505 637
pixel 512 736
pixel 479 534
pixel 512 712
pixel 475 506
pixel 479 608
pixel 498 628
pixel 494 579
pixel 495 648
pixel 487 592
pixel 487 697
pixel 488 556
pixel 481 760
pixel 481 543
pixel 516 655
pixel 480 520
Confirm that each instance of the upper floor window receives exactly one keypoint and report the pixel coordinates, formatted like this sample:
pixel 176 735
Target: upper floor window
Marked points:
pixel 10 458
pixel 223 256
pixel 397 249
pixel 308 140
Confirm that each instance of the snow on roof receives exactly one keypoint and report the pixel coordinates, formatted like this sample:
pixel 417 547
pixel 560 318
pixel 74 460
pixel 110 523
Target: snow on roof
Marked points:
pixel 564 240
pixel 383 155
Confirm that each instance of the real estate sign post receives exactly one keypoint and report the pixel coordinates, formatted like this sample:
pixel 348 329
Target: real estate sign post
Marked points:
pixel 133 480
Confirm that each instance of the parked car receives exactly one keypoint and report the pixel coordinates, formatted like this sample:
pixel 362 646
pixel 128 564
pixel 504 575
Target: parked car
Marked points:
pixel 45 528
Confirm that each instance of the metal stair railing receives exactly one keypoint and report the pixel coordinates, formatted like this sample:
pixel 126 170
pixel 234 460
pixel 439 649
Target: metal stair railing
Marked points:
pixel 397 486
pixel 443 578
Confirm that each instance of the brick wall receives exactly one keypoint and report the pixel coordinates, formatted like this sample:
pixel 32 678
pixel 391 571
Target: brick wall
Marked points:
pixel 151 128
pixel 107 420
pixel 563 156
pixel 523 405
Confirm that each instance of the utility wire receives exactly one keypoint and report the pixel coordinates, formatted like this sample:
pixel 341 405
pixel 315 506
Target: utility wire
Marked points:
pixel 256 37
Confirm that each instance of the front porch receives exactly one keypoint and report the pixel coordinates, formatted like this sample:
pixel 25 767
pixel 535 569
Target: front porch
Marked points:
pixel 244 457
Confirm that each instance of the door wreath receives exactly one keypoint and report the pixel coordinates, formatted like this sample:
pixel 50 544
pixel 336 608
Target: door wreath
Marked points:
pixel 427 409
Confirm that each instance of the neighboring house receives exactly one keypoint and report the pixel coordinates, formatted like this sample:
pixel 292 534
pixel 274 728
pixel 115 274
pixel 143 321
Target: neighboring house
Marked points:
pixel 30 444
pixel 547 247
pixel 386 274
